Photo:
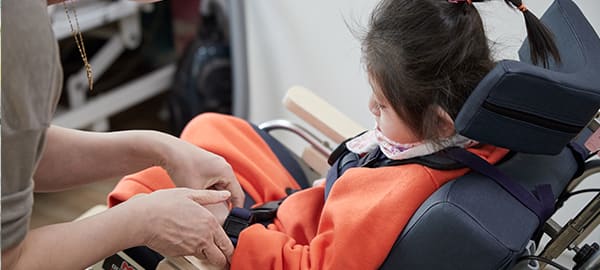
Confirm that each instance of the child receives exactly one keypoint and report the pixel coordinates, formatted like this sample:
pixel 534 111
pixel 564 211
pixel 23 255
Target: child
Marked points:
pixel 423 57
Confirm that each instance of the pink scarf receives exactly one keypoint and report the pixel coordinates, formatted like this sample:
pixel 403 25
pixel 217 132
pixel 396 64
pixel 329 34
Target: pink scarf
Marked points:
pixel 397 151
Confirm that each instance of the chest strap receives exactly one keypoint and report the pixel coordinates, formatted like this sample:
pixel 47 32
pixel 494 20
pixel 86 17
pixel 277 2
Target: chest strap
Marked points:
pixel 541 202
pixel 240 218
pixel 343 159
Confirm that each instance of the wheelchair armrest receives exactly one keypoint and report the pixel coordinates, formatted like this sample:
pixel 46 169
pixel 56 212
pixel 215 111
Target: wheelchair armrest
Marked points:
pixel 184 263
pixel 315 160
pixel 321 115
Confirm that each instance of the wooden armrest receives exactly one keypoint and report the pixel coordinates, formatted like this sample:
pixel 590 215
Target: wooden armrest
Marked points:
pixel 321 115
pixel 184 263
pixel 315 160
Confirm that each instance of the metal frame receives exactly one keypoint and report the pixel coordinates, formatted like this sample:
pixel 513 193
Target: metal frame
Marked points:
pixel 241 87
pixel 321 146
pixel 101 107
pixel 84 112
pixel 571 235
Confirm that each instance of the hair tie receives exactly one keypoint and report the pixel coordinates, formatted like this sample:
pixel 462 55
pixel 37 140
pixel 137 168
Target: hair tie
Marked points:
pixel 459 1
pixel 522 8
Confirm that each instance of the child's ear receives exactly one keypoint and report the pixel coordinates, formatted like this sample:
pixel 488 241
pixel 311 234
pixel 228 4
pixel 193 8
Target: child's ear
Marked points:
pixel 446 123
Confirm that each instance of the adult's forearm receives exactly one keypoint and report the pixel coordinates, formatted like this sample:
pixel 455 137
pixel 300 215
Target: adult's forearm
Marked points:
pixel 73 157
pixel 75 245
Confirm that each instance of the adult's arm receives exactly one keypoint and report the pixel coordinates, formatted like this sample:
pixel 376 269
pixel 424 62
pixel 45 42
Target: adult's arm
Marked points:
pixel 73 157
pixel 172 222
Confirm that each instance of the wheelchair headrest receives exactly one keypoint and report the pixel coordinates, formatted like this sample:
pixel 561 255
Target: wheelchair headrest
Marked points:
pixel 530 109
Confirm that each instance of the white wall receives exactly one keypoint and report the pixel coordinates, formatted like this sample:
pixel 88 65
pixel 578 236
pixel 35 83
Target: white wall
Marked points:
pixel 308 43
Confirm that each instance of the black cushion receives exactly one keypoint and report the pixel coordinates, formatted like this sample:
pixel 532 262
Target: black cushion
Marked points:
pixel 530 109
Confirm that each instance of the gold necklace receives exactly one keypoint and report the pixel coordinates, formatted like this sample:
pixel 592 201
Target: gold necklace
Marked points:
pixel 79 41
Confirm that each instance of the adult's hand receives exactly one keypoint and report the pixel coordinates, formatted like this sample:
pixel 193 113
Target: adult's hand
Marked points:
pixel 193 167
pixel 77 154
pixel 173 222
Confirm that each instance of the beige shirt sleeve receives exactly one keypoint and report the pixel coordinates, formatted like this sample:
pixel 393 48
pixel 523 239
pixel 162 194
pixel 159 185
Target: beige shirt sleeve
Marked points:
pixel 31 85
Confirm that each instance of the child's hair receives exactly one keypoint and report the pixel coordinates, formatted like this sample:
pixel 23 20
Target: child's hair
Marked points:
pixel 429 53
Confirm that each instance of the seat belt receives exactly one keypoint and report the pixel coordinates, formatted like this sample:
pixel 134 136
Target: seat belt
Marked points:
pixel 541 202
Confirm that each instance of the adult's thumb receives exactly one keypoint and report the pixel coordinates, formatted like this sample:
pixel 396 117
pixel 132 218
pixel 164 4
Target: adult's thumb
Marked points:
pixel 210 196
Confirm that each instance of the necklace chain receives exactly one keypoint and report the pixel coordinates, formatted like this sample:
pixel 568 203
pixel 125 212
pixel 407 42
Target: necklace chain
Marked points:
pixel 79 41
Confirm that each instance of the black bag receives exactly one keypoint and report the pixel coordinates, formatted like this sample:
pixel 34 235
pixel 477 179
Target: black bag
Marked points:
pixel 203 79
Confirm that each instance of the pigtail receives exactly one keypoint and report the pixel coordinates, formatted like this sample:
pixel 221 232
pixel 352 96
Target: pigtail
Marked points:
pixel 541 40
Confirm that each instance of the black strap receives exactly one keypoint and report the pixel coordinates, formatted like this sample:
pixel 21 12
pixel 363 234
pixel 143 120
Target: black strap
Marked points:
pixel 342 159
pixel 340 150
pixel 237 220
pixel 240 218
pixel 581 154
pixel 434 161
pixel 265 213
pixel 542 204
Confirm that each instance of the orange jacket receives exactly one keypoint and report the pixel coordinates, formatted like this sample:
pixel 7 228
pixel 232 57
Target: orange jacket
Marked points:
pixel 355 228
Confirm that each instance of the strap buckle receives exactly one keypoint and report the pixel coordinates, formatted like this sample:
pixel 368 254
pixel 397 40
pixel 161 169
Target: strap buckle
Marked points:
pixel 237 220
pixel 266 212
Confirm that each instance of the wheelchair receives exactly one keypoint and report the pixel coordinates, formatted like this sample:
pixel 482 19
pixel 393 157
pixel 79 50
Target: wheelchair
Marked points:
pixel 544 116
pixel 474 223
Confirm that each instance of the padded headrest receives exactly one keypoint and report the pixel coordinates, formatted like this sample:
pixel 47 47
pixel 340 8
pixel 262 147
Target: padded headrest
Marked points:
pixel 530 109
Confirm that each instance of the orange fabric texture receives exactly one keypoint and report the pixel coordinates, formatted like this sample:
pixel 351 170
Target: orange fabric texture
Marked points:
pixel 236 141
pixel 355 228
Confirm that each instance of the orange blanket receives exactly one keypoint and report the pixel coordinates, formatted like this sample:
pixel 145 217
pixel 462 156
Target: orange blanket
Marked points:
pixel 355 228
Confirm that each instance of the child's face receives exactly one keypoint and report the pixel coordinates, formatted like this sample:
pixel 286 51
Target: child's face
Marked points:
pixel 388 121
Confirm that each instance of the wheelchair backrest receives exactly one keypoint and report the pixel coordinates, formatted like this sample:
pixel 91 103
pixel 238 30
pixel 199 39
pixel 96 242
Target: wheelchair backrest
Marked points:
pixel 530 109
pixel 473 223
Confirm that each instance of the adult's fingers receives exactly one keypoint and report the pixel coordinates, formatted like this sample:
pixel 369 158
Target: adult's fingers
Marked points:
pixel 237 194
pixel 213 255
pixel 224 244
pixel 209 196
